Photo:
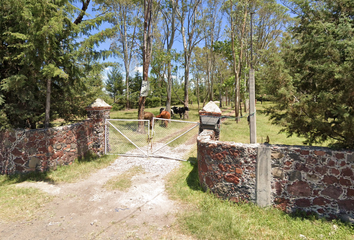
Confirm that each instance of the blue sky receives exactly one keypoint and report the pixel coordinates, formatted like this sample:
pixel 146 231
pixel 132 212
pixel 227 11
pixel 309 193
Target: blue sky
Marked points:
pixel 177 45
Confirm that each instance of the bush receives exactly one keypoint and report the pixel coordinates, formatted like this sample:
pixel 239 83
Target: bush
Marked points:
pixel 152 102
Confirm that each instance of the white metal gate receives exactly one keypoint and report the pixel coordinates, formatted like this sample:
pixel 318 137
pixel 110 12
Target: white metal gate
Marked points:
pixel 164 139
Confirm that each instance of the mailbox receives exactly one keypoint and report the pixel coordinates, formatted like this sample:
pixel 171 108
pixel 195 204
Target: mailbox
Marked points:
pixel 211 123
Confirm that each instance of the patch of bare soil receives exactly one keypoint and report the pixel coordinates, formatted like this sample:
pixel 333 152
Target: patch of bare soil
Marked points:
pixel 86 210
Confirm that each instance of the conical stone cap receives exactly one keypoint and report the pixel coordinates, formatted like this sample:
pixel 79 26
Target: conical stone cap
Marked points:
pixel 211 107
pixel 98 104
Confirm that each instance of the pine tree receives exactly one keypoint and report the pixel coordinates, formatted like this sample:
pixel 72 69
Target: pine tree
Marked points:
pixel 114 83
pixel 316 97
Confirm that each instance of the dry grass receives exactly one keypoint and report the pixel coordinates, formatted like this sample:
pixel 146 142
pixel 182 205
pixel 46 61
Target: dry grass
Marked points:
pixel 123 181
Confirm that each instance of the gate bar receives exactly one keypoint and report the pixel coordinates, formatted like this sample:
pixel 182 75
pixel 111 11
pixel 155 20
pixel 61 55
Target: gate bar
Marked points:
pixel 197 124
pixel 127 137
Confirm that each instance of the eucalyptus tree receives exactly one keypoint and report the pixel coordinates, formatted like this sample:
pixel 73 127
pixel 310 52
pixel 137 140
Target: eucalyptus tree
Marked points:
pixel 169 14
pixel 151 11
pixel 212 26
pixel 126 17
pixel 237 12
pixel 190 16
pixel 270 21
pixel 198 69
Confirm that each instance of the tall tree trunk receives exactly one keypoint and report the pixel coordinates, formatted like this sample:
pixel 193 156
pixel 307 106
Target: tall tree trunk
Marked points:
pixel 146 57
pixel 198 92
pixel 170 42
pixel 169 87
pixel 186 87
pixel 47 103
pixel 237 62
pixel 127 90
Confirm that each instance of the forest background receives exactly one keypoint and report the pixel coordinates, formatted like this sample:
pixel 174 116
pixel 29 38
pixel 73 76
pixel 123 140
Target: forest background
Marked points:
pixel 191 52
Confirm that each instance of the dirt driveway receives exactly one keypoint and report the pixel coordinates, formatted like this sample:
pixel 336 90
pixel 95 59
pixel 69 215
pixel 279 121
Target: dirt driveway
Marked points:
pixel 86 210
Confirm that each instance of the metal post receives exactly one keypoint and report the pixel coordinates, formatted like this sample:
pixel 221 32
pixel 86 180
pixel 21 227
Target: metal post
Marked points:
pixel 252 113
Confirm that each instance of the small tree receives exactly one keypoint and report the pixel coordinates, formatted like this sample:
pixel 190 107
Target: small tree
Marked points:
pixel 114 83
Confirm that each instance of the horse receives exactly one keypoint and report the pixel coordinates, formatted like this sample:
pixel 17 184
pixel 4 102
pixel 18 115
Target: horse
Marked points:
pixel 149 116
pixel 165 115
pixel 163 109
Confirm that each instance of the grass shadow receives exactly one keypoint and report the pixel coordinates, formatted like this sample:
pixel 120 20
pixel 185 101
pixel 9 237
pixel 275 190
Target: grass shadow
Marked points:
pixel 23 177
pixel 37 176
pixel 193 177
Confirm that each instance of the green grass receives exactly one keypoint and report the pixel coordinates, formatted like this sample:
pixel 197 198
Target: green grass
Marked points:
pixel 208 217
pixel 123 181
pixel 239 132
pixel 20 203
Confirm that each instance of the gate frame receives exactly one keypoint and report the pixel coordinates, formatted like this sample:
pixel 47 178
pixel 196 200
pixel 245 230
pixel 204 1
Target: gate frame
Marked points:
pixel 146 154
pixel 150 135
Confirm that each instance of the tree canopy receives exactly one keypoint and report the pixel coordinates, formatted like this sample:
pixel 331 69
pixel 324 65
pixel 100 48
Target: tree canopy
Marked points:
pixel 40 59
pixel 315 98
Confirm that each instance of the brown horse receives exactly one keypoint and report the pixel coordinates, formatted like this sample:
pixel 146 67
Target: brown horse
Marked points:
pixel 149 116
pixel 165 115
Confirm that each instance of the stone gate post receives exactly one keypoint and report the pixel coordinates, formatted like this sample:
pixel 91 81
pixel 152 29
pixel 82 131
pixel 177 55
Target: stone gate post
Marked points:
pixel 209 118
pixel 98 112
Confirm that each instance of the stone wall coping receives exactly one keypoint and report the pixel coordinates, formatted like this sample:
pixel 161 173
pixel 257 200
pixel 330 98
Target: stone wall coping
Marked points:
pixel 211 107
pixel 201 112
pixel 99 103
pixel 98 108
pixel 18 130
pixel 205 137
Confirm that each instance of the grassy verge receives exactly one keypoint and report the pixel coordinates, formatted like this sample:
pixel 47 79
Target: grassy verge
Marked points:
pixel 123 181
pixel 21 203
pixel 239 132
pixel 211 218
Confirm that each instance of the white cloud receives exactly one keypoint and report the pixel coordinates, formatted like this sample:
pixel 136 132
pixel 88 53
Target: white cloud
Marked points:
pixel 138 68
pixel 104 73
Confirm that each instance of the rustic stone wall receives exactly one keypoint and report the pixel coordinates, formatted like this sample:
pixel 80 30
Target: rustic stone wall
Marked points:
pixel 43 149
pixel 227 169
pixel 318 180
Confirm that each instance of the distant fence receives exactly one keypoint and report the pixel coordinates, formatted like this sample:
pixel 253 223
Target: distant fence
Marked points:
pixel 44 149
pixel 312 179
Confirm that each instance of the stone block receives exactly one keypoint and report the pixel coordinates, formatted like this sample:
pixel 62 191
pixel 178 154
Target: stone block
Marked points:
pixel 312 177
pixel 232 178
pixel 332 192
pixel 350 157
pixel 304 202
pixel 294 175
pixel 321 201
pixel 278 173
pixel 347 204
pixel 328 179
pixel 300 189
pixel 277 155
pixel 347 172
pixel 33 162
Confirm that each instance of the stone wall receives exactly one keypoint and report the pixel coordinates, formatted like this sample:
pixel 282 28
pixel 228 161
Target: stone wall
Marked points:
pixel 312 179
pixel 43 149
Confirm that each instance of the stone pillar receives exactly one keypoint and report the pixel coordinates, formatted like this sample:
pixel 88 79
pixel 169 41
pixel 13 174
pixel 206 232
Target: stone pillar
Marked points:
pixel 253 128
pixel 209 118
pixel 98 112
pixel 263 177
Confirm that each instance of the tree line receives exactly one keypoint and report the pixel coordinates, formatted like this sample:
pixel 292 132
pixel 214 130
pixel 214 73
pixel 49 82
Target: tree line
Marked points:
pixel 50 69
